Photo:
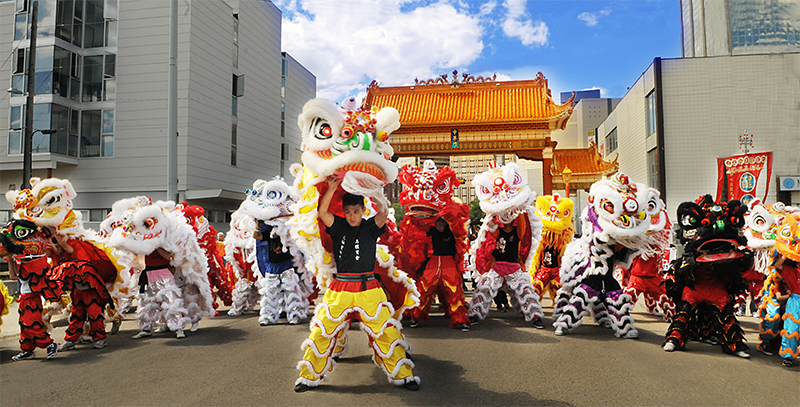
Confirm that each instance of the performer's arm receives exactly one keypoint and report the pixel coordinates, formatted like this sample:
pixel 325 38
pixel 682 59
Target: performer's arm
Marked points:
pixel 383 213
pixel 62 241
pixel 323 213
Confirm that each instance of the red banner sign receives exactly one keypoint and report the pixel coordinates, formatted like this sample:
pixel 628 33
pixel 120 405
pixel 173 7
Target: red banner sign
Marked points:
pixel 738 176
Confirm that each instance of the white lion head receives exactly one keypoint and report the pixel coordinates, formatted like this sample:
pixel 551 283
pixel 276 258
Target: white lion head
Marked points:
pixel 502 191
pixel 269 199
pixel 354 143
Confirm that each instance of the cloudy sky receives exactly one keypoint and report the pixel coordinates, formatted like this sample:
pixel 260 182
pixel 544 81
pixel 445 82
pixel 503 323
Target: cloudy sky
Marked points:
pixel 576 44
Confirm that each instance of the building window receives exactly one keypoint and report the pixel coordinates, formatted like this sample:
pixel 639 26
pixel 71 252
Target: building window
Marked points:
pixel 235 106
pixel 650 106
pixel 611 141
pixel 283 120
pixel 238 85
pixel 235 41
pixel 107 148
pixel 652 168
pixel 284 158
pixel 233 143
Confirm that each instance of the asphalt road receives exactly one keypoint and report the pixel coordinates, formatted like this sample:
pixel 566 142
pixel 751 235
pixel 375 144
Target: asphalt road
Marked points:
pixel 501 361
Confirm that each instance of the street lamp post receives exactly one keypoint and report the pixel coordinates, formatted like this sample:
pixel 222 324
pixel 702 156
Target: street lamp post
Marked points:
pixel 27 144
pixel 567 175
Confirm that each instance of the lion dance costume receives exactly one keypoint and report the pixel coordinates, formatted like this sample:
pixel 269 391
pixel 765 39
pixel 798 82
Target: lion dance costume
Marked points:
pixel 761 228
pixel 352 144
pixel 558 228
pixel 48 203
pixel 782 292
pixel 283 282
pixel 506 199
pixel 240 253
pixel 173 290
pixel 617 229
pixel 26 245
pixel 705 281
pixel 427 196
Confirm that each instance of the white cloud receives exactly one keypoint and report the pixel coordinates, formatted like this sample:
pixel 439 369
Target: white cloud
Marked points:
pixel 591 19
pixel 517 25
pixel 603 91
pixel 346 44
pixel 487 8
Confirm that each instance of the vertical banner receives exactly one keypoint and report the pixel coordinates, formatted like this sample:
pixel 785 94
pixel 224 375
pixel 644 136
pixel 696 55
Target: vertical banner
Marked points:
pixel 738 176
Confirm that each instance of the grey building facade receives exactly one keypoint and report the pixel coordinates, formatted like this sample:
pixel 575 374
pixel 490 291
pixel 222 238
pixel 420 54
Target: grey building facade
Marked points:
pixel 101 83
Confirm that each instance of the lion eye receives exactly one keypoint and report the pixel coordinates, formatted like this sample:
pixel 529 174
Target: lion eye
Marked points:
pixel 786 232
pixel 149 223
pixel 325 132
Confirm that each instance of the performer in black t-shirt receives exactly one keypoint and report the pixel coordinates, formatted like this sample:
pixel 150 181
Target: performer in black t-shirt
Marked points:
pixel 441 277
pixel 354 293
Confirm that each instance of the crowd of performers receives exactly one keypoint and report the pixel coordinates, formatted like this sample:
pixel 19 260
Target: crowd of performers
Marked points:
pixel 332 232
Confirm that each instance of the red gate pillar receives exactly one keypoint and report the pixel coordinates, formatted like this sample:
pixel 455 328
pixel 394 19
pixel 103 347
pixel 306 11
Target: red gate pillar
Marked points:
pixel 547 177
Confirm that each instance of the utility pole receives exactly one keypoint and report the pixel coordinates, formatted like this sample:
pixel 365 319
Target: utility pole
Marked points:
pixel 27 144
pixel 172 105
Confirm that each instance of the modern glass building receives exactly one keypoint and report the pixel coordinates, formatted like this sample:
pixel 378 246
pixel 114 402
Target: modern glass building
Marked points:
pixel 739 27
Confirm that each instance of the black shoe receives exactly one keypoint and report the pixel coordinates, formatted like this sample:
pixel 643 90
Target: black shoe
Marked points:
pixel 537 323
pixel 463 327
pixel 52 350
pixel 413 324
pixel 787 362
pixel 412 385
pixel 473 320
pixel 301 387
pixel 24 355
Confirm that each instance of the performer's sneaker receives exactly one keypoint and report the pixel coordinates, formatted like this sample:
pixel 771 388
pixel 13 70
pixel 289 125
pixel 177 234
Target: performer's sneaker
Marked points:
pixel 413 324
pixel 179 334
pixel 67 345
pixel 787 362
pixel 142 334
pixel 301 387
pixel 473 320
pixel 52 350
pixel 559 331
pixel 537 323
pixel 162 329
pixel 194 327
pixel 24 355
pixel 115 326
pixel 411 385
pixel 463 327
pixel 764 349
pixel 741 354
pixel 669 346
pixel 100 344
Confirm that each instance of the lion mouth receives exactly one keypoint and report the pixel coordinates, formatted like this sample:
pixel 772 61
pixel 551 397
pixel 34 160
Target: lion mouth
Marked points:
pixel 422 211
pixel 718 249
pixel 366 168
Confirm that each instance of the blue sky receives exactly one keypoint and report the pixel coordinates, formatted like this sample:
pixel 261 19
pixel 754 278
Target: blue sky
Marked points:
pixel 577 45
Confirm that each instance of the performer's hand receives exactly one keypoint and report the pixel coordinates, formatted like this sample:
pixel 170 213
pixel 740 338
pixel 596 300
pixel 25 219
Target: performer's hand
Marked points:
pixel 334 181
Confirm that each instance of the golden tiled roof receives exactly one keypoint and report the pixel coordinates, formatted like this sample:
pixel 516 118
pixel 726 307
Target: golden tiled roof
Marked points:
pixel 582 161
pixel 475 101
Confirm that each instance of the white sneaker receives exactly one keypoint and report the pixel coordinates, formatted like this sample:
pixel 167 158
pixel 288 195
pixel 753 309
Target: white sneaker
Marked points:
pixel 162 329
pixel 632 334
pixel 669 346
pixel 742 354
pixel 67 345
pixel 142 334
pixel 194 327
pixel 559 331
pixel 179 334
pixel 100 344
pixel 115 326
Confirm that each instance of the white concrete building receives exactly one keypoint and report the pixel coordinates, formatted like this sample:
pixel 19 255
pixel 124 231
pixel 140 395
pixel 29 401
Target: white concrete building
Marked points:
pixel 682 114
pixel 102 73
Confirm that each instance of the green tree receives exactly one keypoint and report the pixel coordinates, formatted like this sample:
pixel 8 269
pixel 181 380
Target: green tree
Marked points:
pixel 475 212
pixel 399 212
